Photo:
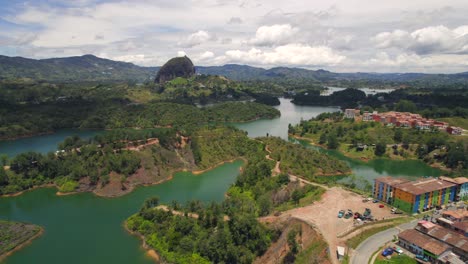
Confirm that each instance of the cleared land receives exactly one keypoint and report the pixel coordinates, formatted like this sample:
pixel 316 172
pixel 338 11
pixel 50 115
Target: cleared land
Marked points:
pixel 323 215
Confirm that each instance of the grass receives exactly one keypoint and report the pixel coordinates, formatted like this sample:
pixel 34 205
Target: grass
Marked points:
pixel 399 259
pixel 314 195
pixel 456 121
pixel 313 253
pixel 358 239
pixel 393 221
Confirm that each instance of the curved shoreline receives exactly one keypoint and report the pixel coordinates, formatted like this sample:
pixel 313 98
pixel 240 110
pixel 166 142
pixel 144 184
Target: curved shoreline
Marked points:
pixel 22 245
pixel 366 160
pixel 149 251
pixel 58 193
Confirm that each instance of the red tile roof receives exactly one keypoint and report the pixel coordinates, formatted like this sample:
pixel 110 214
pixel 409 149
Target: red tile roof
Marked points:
pixel 424 241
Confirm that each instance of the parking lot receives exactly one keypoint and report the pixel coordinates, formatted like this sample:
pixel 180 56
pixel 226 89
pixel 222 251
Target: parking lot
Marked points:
pixel 324 213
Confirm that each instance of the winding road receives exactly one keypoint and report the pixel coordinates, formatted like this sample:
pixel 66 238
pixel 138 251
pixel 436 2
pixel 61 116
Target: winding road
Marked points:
pixel 364 251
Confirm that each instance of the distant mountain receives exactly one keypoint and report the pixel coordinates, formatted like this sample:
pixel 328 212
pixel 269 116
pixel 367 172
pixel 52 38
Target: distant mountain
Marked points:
pixel 72 69
pixel 92 68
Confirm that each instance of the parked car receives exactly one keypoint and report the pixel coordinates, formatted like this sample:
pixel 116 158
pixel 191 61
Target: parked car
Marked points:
pixel 348 214
pixel 357 215
pixel 381 206
pixel 421 257
pixel 367 212
pixel 341 213
pixel 375 201
pixel 387 252
pixel 398 250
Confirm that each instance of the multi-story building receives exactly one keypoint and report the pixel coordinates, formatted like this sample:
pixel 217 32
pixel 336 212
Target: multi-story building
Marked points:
pixel 462 186
pixel 414 196
pixel 384 188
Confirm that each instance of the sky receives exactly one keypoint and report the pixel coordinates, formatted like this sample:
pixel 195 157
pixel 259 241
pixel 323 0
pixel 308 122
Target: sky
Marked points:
pixel 343 35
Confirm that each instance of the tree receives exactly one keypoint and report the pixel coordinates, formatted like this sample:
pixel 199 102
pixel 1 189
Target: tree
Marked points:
pixel 4 159
pixel 296 196
pixel 380 149
pixel 333 141
pixel 323 138
pixel 405 106
pixel 150 202
pixel 398 137
pixel 3 176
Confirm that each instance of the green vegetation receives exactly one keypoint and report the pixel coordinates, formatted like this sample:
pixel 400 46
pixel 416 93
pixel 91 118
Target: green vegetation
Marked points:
pixel 111 152
pixel 358 239
pixel 14 234
pixel 312 254
pixel 207 238
pixel 398 259
pixel 370 140
pixel 312 163
pixel 29 119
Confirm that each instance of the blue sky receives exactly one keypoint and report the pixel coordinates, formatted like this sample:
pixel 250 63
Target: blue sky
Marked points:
pixel 340 35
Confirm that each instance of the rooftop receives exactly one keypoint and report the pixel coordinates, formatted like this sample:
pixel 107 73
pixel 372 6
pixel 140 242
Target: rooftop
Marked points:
pixel 450 237
pixel 461 225
pixel 392 181
pixel 458 180
pixel 424 241
pixel 458 214
pixel 424 185
pixel 450 257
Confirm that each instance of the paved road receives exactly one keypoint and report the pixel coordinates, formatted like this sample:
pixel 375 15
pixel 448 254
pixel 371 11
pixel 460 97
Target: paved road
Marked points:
pixel 364 251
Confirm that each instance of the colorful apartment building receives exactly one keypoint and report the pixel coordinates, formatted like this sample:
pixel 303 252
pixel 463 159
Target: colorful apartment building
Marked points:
pixel 414 196
pixel 384 188
pixel 462 186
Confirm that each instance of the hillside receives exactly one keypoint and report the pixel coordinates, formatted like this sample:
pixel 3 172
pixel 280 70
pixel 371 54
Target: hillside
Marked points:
pixel 92 68
pixel 73 69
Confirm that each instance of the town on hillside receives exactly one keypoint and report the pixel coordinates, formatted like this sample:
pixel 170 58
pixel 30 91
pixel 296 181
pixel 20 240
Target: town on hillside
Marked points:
pixel 402 119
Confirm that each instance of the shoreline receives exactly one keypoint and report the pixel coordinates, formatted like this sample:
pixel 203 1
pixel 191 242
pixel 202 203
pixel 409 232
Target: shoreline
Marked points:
pixel 58 193
pixel 149 251
pixel 366 160
pixel 198 172
pixel 22 245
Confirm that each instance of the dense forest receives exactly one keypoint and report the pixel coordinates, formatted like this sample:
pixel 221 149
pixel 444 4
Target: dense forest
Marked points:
pixel 376 140
pixel 228 232
pixel 130 157
pixel 20 120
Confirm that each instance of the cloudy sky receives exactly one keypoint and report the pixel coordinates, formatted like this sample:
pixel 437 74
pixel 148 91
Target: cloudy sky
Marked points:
pixel 340 35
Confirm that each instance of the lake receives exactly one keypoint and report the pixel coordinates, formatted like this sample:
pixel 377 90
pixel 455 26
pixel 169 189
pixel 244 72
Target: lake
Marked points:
pixel 84 228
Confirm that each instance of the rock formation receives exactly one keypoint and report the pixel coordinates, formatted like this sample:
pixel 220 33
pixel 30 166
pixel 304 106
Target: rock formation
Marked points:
pixel 175 67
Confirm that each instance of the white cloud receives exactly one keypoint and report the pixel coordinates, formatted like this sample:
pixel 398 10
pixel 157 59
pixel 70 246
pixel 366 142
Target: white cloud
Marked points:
pixel 291 54
pixel 181 53
pixel 428 40
pixel 274 35
pixel 197 38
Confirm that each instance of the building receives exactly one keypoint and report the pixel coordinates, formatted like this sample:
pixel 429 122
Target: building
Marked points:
pixel 422 244
pixel 448 257
pixel 414 196
pixel 457 242
pixel 384 188
pixel 462 186
pixel 420 195
pixel 461 228
pixel 352 113
pixel 454 130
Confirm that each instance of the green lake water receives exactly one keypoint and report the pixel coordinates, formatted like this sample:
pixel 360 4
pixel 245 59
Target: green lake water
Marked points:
pixel 44 143
pixel 84 228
